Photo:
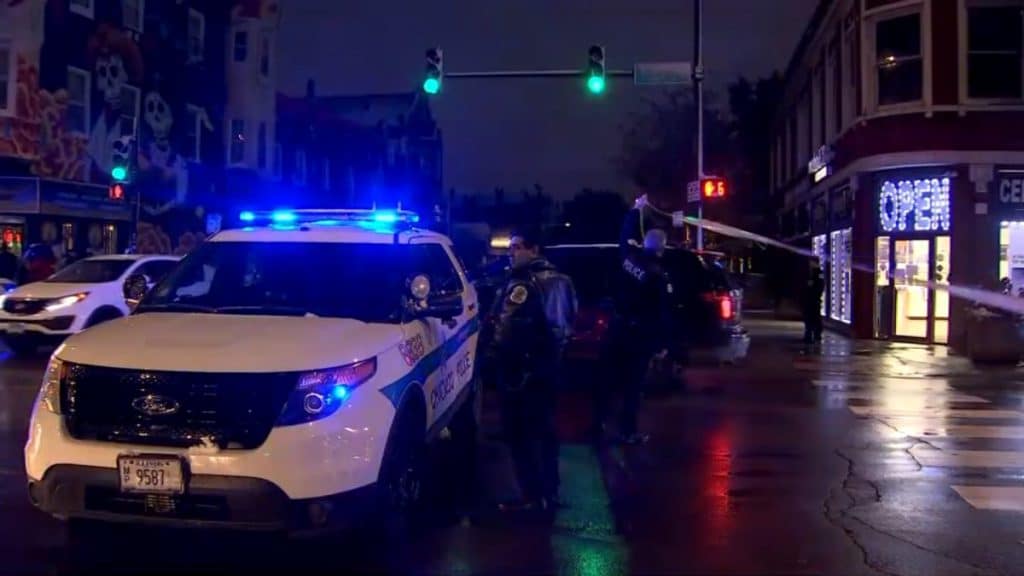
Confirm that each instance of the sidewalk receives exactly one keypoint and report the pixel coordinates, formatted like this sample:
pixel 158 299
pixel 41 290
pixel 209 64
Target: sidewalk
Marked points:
pixel 841 354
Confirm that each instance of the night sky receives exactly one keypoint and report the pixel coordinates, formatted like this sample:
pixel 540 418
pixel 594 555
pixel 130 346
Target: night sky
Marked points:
pixel 515 133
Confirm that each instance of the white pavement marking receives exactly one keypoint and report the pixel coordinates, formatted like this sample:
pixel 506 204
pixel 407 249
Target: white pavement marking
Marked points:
pixel 891 396
pixel 931 457
pixel 1009 498
pixel 938 428
pixel 883 412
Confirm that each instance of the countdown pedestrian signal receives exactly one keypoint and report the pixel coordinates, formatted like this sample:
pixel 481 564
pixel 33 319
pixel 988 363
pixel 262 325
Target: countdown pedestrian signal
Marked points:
pixel 712 187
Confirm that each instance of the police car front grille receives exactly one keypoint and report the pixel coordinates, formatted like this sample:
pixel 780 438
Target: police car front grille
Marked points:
pixel 181 409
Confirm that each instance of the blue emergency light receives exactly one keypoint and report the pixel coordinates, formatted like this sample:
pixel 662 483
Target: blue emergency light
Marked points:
pixel 329 216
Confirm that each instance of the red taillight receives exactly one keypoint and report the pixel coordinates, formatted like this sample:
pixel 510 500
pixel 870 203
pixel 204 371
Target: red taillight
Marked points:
pixel 724 304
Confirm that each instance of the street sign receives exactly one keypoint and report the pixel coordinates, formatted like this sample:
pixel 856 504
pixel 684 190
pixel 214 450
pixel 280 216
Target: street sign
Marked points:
pixel 693 191
pixel 662 73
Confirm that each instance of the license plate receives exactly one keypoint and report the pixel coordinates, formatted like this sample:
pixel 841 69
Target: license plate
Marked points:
pixel 151 474
pixel 15 328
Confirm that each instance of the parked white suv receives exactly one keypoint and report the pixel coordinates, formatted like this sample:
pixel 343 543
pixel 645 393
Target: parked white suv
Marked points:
pixel 281 377
pixel 78 296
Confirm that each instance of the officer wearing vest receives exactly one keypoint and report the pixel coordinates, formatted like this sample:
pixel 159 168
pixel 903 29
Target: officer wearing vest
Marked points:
pixel 534 313
pixel 640 331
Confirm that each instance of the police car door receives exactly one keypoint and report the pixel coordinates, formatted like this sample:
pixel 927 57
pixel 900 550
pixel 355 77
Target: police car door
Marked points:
pixel 458 335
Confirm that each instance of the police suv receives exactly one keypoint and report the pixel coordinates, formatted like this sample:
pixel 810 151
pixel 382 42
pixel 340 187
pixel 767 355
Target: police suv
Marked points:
pixel 284 376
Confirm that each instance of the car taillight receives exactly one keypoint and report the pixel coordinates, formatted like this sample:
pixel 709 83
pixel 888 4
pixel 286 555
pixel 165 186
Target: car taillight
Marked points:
pixel 723 303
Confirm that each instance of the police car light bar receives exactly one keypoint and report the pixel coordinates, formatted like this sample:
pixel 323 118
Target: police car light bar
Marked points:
pixel 329 215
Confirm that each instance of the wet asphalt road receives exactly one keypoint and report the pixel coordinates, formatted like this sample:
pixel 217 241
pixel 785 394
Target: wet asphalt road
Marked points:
pixel 862 458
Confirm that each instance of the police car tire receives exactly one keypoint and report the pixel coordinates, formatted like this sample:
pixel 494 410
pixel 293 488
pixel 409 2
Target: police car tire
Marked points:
pixel 405 453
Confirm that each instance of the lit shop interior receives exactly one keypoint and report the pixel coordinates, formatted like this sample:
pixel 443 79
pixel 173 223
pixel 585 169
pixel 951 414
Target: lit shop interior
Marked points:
pixel 912 250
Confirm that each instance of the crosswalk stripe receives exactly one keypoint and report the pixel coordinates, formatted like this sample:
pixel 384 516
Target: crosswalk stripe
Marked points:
pixel 932 457
pixel 883 412
pixel 939 428
pixel 893 397
pixel 1007 498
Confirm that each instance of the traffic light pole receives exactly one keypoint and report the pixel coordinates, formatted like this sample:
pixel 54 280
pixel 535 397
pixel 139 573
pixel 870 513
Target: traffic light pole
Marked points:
pixel 698 86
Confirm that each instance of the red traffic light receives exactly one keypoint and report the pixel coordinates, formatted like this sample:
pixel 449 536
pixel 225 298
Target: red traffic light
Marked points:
pixel 116 192
pixel 712 187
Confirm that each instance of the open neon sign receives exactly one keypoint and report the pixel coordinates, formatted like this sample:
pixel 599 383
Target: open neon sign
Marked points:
pixel 918 205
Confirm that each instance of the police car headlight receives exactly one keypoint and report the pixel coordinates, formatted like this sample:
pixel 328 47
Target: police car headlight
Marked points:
pixel 56 370
pixel 58 303
pixel 320 393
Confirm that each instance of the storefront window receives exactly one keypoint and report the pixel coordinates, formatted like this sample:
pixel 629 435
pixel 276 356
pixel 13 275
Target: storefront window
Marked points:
pixel 110 239
pixel 912 261
pixel 940 332
pixel 840 271
pixel 68 237
pixel 819 247
pixel 1011 255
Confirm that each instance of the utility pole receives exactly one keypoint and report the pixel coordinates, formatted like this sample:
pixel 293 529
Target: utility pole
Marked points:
pixel 698 86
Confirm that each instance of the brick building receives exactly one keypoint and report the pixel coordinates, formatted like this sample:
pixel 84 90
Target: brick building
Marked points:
pixel 79 79
pixel 899 147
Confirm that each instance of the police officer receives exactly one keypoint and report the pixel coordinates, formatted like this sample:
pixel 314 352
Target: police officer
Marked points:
pixel 640 331
pixel 533 315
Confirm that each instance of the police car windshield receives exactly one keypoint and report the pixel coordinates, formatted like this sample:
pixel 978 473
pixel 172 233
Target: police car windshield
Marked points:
pixel 91 272
pixel 359 281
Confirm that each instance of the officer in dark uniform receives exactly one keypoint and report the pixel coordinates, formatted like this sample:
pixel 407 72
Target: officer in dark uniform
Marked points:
pixel 533 315
pixel 640 331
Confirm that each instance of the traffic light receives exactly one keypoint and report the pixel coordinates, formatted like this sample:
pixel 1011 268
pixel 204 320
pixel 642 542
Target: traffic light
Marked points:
pixel 435 71
pixel 121 166
pixel 712 187
pixel 116 191
pixel 596 71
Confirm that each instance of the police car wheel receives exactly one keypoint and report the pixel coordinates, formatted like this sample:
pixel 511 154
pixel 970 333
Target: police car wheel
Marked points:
pixel 401 478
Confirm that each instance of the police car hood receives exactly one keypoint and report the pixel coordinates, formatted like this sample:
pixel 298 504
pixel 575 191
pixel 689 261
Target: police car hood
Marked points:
pixel 228 343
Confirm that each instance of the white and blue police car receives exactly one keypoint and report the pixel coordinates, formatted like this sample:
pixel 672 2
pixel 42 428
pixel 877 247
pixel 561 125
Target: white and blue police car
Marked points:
pixel 286 375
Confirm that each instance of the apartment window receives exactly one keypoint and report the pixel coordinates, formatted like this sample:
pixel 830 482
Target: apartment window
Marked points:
pixel 196 35
pixel 261 143
pixel 129 109
pixel 265 56
pixel 81 7
pixel 236 154
pixel 803 131
pixel 299 175
pixel 900 69
pixel 193 133
pixel 241 49
pixel 6 77
pixel 832 91
pixel 994 45
pixel 77 116
pixel 850 75
pixel 817 109
pixel 133 13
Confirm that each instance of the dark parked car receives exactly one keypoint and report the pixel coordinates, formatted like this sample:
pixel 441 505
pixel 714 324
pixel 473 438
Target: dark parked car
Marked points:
pixel 707 303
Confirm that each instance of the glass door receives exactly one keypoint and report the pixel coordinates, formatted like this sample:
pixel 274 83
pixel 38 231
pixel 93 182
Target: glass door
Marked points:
pixel 940 323
pixel 911 273
pixel 883 288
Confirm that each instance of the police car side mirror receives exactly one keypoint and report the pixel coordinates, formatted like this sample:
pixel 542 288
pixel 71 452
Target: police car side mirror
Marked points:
pixel 445 308
pixel 135 288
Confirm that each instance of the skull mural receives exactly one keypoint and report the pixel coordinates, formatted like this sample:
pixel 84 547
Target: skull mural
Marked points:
pixel 111 77
pixel 158 116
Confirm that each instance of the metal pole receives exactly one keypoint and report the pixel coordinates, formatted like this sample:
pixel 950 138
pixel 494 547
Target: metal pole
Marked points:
pixel 698 86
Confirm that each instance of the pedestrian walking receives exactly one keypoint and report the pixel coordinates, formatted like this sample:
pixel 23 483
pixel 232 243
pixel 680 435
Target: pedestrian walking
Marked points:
pixel 8 262
pixel 534 314
pixel 640 332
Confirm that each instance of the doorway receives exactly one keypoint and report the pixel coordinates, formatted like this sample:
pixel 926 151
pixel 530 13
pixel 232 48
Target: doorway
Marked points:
pixel 907 305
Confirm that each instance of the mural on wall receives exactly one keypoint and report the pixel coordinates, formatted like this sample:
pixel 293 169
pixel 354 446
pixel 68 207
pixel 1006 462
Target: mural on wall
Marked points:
pixel 116 62
pixel 21 22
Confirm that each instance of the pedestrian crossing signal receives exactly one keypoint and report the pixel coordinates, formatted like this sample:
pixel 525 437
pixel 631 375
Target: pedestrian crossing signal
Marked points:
pixel 713 187
pixel 116 192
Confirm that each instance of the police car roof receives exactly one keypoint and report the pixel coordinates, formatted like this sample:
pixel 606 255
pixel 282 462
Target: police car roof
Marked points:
pixel 343 233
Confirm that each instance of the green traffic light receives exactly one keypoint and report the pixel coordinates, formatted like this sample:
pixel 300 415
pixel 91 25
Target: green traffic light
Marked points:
pixel 596 84
pixel 431 85
pixel 119 173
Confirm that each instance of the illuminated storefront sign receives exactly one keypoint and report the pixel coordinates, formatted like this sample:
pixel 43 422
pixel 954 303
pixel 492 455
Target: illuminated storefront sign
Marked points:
pixel 914 205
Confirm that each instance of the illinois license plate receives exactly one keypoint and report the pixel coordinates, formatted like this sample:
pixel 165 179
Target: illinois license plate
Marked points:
pixel 151 474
